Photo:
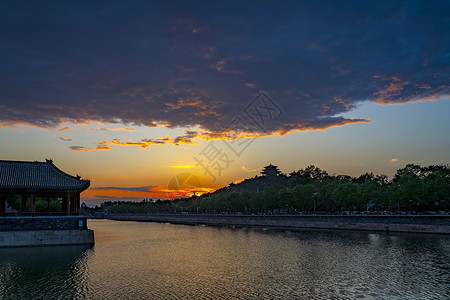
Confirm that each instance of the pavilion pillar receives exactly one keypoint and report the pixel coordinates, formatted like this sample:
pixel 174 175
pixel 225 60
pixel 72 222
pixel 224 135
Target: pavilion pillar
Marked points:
pixel 68 204
pixel 63 204
pixel 2 204
pixel 77 204
pixel 32 204
pixel 24 203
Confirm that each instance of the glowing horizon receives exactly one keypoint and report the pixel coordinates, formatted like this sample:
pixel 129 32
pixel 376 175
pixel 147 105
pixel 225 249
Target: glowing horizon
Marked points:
pixel 184 100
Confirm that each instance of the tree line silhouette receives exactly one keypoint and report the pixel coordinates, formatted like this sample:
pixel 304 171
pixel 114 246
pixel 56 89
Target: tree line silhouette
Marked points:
pixel 313 190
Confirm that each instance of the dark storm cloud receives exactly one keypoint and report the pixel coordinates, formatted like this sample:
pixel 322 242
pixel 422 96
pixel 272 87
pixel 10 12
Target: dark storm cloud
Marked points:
pixel 99 199
pixel 183 64
pixel 143 189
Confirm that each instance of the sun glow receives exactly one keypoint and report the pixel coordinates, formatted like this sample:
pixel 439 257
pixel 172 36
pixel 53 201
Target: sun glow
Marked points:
pixel 183 166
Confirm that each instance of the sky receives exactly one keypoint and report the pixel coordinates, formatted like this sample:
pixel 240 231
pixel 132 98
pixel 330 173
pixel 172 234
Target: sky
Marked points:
pixel 158 99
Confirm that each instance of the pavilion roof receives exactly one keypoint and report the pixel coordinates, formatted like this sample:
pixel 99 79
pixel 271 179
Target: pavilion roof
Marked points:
pixel 38 176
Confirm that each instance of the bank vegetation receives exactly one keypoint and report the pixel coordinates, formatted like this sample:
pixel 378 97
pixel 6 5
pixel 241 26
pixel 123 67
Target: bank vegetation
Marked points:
pixel 413 189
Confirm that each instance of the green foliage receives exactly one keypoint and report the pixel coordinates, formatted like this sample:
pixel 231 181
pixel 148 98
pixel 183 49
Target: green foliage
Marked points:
pixel 408 186
pixel 304 196
pixel 347 195
pixel 15 202
pixel 413 187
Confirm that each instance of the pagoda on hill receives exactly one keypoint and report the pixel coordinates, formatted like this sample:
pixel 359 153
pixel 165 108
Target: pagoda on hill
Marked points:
pixel 271 170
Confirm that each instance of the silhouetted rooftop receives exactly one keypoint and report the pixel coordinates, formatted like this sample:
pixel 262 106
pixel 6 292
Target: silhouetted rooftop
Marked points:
pixel 37 175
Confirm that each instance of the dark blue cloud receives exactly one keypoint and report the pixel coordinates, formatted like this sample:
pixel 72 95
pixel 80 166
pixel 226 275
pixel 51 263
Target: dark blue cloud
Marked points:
pixel 141 62
pixel 143 189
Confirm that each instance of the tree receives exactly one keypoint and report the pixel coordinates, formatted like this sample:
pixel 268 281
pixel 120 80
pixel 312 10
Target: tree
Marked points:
pixel 347 195
pixel 408 186
pixel 410 169
pixel 270 193
pixel 257 201
pixel 304 196
pixel 315 173
pixel 285 197
pixel 437 187
pixel 234 202
pixel 245 200
pixel 365 177
pixel 372 192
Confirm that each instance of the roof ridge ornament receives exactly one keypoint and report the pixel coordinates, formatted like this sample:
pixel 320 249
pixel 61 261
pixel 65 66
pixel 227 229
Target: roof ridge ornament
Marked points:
pixel 49 161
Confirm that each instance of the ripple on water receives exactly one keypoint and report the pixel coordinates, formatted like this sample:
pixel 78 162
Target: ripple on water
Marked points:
pixel 150 260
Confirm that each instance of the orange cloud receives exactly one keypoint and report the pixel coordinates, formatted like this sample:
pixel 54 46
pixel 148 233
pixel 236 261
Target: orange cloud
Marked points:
pixel 80 148
pixel 227 134
pixel 65 139
pixel 186 139
pixel 423 99
pixel 183 192
pixel 64 128
pixel 390 95
pixel 218 66
pixel 101 146
pixel 99 195
pixel 15 126
pixel 62 125
pixel 121 129
pixel 288 128
pixel 391 92
pixel 183 103
pixel 245 169
pixel 238 181
pixel 119 142
pixel 250 85
pixel 160 141
pixel 145 143
pixel 345 102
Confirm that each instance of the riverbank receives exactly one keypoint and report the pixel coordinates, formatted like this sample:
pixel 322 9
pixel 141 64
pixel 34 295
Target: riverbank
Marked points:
pixel 411 224
pixel 44 231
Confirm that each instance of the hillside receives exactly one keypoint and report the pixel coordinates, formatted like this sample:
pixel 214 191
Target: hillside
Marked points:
pixel 413 188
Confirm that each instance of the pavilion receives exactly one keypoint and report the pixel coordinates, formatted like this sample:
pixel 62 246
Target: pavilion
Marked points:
pixel 271 170
pixel 23 184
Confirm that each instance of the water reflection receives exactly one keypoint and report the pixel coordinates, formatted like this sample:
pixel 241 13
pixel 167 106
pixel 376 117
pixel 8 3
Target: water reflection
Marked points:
pixel 148 260
pixel 42 272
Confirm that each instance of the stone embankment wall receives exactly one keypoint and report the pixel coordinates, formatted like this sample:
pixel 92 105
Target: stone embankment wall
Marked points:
pixel 44 231
pixel 416 224
pixel 43 223
pixel 46 238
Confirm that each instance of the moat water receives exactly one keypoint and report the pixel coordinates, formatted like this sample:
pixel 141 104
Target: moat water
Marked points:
pixel 133 260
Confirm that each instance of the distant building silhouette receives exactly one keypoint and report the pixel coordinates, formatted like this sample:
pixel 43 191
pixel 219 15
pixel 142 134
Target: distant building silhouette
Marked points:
pixel 271 170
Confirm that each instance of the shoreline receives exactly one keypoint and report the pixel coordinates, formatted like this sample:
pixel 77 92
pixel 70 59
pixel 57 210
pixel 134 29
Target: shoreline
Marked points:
pixel 435 224
pixel 26 231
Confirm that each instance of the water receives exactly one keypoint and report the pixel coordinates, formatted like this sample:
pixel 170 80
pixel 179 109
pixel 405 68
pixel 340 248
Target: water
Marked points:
pixel 132 260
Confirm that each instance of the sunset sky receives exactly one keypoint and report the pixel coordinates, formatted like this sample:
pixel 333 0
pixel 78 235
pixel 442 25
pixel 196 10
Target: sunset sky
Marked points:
pixel 156 99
